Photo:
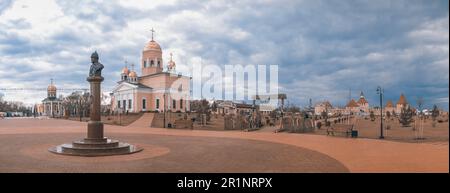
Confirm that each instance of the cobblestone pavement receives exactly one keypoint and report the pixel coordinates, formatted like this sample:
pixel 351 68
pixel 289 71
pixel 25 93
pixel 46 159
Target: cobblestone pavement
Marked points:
pixel 179 154
pixel 24 143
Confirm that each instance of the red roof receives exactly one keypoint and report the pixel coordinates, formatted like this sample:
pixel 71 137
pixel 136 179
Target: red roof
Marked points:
pixel 402 100
pixel 389 104
pixel 352 103
pixel 362 101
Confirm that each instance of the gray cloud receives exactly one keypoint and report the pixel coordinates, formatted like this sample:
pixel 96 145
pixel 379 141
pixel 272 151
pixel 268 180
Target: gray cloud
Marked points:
pixel 5 4
pixel 323 48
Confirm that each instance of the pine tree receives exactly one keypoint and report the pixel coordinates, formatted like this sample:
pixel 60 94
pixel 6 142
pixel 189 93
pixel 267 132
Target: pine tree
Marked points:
pixel 406 116
pixel 372 116
pixel 434 114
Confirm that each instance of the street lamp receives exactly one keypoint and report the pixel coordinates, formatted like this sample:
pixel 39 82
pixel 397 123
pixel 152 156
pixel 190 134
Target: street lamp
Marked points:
pixel 80 108
pixel 380 91
pixel 164 107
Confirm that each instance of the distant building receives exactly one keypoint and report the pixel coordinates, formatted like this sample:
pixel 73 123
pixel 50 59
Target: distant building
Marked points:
pixel 390 107
pixel 268 103
pixel 244 108
pixel 225 108
pixel 352 107
pixel 363 104
pixel 324 106
pixel 40 109
pixel 360 107
pixel 51 106
pixel 337 111
pixel 402 102
pixel 229 107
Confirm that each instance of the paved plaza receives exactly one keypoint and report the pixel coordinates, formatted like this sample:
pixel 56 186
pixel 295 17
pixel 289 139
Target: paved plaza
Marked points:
pixel 24 144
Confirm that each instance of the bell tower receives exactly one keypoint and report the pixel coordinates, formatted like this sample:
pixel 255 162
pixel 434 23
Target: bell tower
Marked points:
pixel 51 90
pixel 151 61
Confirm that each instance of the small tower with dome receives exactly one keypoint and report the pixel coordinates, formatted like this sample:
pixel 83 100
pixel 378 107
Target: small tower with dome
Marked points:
pixel 363 104
pixel 125 72
pixel 151 61
pixel 51 90
pixel 171 65
pixel 132 76
pixel 402 102
pixel 52 104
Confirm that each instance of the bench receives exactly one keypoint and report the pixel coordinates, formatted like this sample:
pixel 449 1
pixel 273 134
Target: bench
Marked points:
pixel 341 129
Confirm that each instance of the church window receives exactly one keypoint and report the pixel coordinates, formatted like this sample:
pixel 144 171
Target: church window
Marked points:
pixel 174 104
pixel 151 63
pixel 181 103
pixel 145 63
pixel 118 104
pixel 129 104
pixel 144 104
pixel 157 104
pixel 124 104
pixel 159 63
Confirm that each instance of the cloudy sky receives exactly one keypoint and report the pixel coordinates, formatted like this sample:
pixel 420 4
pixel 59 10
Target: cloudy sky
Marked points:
pixel 323 48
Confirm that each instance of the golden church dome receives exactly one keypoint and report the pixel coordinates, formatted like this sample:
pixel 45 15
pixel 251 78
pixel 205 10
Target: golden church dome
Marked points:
pixel 51 88
pixel 152 45
pixel 125 70
pixel 132 74
pixel 171 64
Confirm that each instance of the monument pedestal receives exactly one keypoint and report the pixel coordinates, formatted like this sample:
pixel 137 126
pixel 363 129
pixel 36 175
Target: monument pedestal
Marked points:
pixel 90 147
pixel 95 144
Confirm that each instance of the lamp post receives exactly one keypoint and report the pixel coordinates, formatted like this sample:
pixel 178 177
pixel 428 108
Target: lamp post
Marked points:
pixel 380 91
pixel 79 108
pixel 164 104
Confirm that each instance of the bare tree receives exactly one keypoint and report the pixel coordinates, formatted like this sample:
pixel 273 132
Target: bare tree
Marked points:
pixel 12 106
pixel 420 102
pixel 324 115
pixel 214 106
pixel 201 107
pixel 292 108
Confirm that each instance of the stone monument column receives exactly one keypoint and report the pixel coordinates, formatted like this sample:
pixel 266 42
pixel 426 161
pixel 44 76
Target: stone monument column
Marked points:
pixel 95 125
pixel 95 144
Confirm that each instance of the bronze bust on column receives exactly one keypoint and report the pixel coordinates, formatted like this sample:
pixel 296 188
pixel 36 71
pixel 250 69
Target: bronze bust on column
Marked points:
pixel 95 144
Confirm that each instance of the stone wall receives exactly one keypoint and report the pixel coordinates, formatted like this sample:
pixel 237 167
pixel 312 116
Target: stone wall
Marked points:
pixel 297 124
pixel 184 124
pixel 238 122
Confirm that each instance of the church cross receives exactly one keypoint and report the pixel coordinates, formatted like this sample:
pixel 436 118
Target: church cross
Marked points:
pixel 152 30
